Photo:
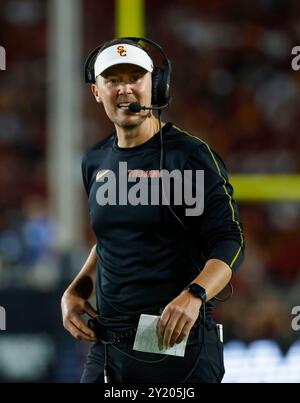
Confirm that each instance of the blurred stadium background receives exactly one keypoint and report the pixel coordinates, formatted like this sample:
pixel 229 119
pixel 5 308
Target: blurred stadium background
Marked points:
pixel 232 85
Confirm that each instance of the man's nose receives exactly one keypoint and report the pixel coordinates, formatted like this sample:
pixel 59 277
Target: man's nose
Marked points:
pixel 124 88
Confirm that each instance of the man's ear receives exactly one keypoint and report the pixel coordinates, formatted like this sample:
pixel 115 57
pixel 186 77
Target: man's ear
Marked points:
pixel 96 93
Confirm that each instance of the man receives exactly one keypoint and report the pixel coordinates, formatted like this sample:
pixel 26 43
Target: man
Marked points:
pixel 148 256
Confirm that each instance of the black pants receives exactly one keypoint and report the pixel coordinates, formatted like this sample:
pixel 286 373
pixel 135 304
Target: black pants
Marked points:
pixel 202 363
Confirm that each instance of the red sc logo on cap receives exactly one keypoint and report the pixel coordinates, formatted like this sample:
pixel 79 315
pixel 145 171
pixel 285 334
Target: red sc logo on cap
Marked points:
pixel 121 50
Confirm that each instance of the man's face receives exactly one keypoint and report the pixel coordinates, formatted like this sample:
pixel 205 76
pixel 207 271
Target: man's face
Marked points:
pixel 123 84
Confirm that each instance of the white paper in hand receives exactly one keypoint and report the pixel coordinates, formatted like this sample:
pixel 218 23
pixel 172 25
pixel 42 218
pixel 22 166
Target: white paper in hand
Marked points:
pixel 146 338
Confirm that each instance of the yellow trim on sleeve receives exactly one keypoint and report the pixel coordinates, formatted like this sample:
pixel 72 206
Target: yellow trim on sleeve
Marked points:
pixel 236 256
pixel 224 184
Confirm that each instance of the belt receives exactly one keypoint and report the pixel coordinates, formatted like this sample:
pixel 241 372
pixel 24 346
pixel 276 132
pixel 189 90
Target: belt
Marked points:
pixel 107 336
pixel 111 337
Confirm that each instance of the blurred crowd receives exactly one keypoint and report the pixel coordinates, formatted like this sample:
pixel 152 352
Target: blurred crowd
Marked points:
pixel 232 79
pixel 26 230
pixel 232 85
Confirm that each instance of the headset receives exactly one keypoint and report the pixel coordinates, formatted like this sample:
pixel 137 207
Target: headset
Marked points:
pixel 160 75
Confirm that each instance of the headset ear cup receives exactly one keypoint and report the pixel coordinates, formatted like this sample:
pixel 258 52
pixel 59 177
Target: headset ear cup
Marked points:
pixel 165 86
pixel 89 72
pixel 156 85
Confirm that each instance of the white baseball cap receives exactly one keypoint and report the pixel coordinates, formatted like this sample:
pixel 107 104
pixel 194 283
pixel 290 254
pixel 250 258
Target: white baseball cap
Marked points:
pixel 122 53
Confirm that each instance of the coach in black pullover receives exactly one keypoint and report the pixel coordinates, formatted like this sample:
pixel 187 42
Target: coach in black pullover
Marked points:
pixel 148 252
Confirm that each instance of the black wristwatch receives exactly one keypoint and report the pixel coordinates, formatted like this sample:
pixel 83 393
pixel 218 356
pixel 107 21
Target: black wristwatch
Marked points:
pixel 197 291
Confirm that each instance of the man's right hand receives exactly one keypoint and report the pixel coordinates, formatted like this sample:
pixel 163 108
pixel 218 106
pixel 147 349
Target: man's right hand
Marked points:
pixel 73 307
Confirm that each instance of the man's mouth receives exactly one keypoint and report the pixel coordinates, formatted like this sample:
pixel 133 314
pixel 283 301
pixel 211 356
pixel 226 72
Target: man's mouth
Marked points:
pixel 123 104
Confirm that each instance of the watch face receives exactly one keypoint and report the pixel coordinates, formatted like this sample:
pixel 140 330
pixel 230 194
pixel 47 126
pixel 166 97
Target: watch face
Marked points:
pixel 197 291
pixel 194 290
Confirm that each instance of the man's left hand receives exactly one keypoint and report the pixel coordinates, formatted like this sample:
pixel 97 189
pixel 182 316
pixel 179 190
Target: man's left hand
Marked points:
pixel 178 318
